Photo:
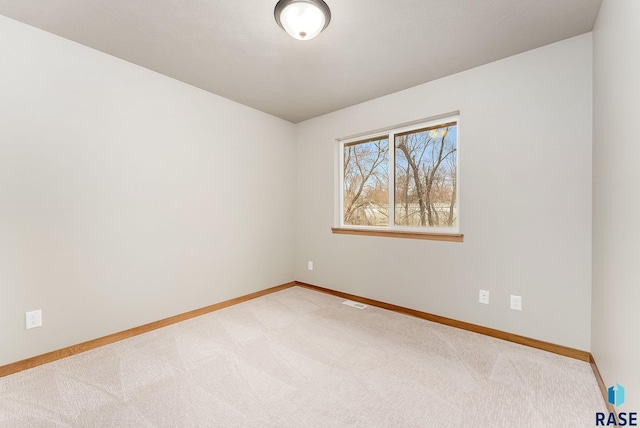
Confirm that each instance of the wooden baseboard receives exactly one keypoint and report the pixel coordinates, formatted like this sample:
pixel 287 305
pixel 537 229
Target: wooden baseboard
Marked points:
pixel 534 343
pixel 102 341
pixel 602 385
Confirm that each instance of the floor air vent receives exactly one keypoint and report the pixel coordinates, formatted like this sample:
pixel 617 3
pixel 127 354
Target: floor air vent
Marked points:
pixel 354 304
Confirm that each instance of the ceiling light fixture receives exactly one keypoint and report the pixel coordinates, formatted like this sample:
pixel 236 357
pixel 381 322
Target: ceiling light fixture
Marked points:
pixel 302 19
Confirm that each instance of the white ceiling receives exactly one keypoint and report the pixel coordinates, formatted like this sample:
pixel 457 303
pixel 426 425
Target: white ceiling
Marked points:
pixel 371 48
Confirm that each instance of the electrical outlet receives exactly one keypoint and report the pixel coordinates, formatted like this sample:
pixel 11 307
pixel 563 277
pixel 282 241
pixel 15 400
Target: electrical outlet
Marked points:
pixel 33 319
pixel 484 297
pixel 310 265
pixel 516 302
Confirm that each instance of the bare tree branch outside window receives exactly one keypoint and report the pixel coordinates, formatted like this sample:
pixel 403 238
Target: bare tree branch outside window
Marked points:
pixel 426 171
pixel 421 176
pixel 366 183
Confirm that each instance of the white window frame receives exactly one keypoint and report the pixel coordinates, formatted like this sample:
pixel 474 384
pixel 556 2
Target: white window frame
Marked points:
pixel 390 134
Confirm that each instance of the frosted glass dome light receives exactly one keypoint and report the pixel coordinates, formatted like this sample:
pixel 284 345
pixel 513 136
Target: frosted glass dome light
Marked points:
pixel 302 19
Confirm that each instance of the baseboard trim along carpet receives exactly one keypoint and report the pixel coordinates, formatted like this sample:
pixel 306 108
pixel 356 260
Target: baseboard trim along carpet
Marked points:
pixel 116 337
pixel 303 358
pixel 602 385
pixel 534 343
pixel 102 341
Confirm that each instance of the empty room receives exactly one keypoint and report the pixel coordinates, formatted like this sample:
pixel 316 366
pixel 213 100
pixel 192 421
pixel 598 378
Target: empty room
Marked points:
pixel 308 213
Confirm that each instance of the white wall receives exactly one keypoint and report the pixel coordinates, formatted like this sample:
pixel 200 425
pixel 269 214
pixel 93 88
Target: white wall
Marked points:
pixel 616 206
pixel 525 192
pixel 126 196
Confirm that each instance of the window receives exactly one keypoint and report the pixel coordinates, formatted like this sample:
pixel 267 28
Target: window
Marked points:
pixel 410 187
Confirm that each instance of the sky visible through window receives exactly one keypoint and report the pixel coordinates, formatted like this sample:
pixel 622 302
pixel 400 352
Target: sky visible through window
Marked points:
pixel 424 178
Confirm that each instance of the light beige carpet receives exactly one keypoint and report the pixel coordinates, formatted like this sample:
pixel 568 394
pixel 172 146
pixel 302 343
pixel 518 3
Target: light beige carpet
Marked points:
pixel 299 358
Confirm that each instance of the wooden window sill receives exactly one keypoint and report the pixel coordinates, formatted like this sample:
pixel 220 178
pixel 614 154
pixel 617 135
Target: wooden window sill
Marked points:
pixel 449 237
